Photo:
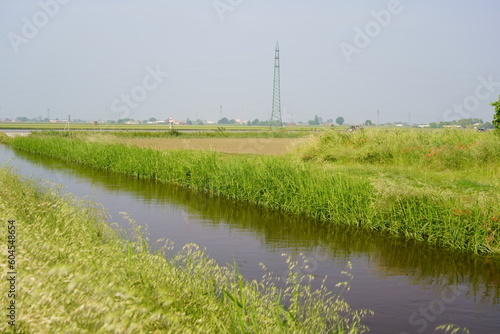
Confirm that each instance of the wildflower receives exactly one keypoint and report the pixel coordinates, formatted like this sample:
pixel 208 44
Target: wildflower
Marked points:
pixel 494 218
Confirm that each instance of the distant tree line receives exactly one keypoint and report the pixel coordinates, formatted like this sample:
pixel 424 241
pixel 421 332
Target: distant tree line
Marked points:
pixel 464 122
pixel 39 119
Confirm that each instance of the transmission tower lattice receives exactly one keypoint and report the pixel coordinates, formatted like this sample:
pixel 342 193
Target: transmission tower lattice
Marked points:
pixel 276 113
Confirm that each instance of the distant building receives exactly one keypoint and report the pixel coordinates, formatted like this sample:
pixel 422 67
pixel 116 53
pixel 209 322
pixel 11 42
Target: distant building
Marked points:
pixel 241 121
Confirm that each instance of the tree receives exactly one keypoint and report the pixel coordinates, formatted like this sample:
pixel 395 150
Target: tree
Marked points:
pixel 368 122
pixel 488 125
pixel 152 119
pixel 123 120
pixel 315 121
pixel 223 120
pixel 339 120
pixel 189 122
pixel 433 125
pixel 496 116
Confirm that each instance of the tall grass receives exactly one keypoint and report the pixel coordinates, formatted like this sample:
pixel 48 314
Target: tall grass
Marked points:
pixel 76 275
pixel 438 149
pixel 395 202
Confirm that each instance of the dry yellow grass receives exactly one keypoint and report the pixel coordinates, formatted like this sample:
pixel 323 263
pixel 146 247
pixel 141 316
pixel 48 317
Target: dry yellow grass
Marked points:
pixel 264 146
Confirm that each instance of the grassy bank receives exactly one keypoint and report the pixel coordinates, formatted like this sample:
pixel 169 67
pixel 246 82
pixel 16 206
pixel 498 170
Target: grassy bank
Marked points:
pixel 431 149
pixel 457 208
pixel 76 275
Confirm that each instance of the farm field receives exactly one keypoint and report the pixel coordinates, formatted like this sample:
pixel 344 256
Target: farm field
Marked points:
pixel 263 146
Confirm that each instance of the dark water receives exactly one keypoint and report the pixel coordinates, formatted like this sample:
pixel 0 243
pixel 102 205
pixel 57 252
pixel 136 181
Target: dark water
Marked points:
pixel 411 286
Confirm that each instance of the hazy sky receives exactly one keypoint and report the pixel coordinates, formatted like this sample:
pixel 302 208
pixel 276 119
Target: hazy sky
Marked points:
pixel 109 59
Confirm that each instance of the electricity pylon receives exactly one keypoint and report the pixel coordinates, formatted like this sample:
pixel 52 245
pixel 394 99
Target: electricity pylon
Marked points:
pixel 276 112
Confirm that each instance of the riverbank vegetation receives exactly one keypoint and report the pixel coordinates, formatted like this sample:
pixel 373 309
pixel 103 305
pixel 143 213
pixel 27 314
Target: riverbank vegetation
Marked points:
pixel 442 187
pixel 78 275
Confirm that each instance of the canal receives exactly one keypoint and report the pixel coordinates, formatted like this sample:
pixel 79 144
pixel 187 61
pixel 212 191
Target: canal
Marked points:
pixel 412 287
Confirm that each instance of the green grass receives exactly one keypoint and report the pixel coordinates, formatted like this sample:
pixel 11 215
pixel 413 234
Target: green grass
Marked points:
pixel 430 149
pixel 455 206
pixel 77 275
pixel 216 133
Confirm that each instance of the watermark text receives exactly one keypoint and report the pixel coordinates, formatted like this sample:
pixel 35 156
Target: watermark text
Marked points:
pixel 151 81
pixel 31 27
pixel 12 273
